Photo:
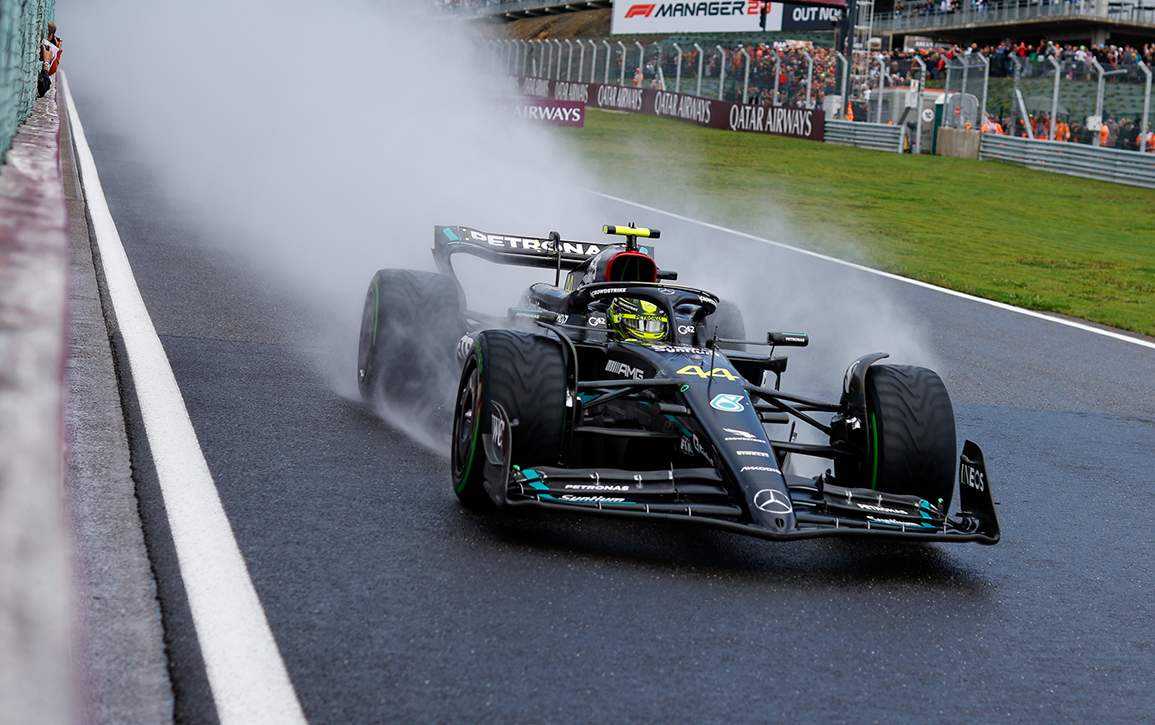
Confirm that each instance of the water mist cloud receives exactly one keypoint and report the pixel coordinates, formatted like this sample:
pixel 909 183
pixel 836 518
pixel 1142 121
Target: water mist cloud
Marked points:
pixel 321 141
pixel 324 141
pixel 332 135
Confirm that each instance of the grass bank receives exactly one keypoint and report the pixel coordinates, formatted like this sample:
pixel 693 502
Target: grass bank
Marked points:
pixel 1033 239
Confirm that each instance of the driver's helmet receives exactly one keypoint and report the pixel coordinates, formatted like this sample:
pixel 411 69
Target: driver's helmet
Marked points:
pixel 635 319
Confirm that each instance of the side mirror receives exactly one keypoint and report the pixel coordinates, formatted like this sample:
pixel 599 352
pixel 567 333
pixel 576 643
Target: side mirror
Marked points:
pixel 667 274
pixel 788 339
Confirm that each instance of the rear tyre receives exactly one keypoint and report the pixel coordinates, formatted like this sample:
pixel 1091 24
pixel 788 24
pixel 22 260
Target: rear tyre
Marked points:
pixel 410 327
pixel 911 433
pixel 728 320
pixel 526 375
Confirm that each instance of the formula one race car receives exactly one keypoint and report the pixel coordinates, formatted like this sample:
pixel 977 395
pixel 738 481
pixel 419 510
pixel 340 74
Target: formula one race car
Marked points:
pixel 613 391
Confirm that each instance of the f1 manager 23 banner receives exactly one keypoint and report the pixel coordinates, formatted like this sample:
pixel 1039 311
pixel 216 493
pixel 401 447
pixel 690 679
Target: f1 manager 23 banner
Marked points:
pixel 641 17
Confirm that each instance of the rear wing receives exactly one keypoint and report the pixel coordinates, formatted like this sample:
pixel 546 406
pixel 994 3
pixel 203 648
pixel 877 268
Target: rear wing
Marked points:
pixel 512 249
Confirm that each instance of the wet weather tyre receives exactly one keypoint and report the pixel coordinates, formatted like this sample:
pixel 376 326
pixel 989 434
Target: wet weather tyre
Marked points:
pixel 911 431
pixel 410 327
pixel 526 374
pixel 729 323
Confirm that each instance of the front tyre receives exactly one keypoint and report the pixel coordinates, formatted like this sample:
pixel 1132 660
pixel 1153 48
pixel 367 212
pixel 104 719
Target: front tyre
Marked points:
pixel 911 431
pixel 524 373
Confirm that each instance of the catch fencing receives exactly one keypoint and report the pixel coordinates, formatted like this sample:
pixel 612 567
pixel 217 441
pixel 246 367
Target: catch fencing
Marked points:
pixel 1090 162
pixel 1033 95
pixel 1031 98
pixel 782 74
pixel 22 25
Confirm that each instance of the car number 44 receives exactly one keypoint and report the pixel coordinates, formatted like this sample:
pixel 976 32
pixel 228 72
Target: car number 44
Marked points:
pixel 716 372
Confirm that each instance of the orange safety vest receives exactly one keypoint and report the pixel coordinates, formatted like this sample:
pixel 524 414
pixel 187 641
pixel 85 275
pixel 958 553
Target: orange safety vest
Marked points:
pixel 1103 134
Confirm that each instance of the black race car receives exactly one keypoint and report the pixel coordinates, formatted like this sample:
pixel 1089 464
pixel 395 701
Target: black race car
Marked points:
pixel 614 391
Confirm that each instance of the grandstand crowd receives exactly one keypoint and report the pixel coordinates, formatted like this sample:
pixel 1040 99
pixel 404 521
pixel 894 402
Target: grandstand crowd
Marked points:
pixel 792 64
pixel 944 7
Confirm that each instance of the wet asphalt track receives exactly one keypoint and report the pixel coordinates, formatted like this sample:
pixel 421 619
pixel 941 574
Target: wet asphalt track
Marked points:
pixel 389 602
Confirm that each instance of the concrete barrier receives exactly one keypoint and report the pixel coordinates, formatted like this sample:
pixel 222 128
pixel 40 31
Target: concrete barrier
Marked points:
pixel 958 143
pixel 35 588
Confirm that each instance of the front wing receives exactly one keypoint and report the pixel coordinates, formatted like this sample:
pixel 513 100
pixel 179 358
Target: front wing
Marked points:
pixel 700 495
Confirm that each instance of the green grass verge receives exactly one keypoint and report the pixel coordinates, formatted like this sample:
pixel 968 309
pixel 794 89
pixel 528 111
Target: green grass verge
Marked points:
pixel 1029 238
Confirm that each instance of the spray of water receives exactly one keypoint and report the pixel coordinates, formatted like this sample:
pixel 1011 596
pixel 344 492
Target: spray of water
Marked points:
pixel 329 138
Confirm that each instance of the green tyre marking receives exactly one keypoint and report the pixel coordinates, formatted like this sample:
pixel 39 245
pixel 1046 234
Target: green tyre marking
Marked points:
pixel 476 422
pixel 874 450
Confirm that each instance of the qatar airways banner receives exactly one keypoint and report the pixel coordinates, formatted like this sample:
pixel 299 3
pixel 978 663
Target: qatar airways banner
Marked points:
pixel 775 120
pixel 633 17
pixel 547 111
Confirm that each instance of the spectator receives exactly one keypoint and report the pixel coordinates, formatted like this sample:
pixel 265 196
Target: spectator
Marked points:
pixel 50 48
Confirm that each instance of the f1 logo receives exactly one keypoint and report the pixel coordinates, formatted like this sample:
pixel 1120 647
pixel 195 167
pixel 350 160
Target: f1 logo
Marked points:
pixel 643 10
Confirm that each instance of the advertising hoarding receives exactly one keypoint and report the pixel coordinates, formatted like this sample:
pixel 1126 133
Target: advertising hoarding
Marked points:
pixel 774 120
pixel 643 17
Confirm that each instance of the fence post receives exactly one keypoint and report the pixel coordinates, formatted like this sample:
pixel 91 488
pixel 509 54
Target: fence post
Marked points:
pixel 582 59
pixel 658 67
pixel 881 83
pixel 569 61
pixel 557 73
pixel 622 79
pixel 1146 106
pixel 777 74
pixel 966 71
pixel 1019 97
pixel 721 72
pixel 701 60
pixel 1101 88
pixel 609 52
pixel 918 107
pixel 746 80
pixel 986 83
pixel 678 77
pixel 641 62
pixel 1055 96
pixel 809 77
pixel 845 86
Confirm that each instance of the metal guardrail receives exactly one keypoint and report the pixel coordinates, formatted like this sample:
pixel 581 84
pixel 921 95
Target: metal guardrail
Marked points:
pixel 1090 162
pixel 876 136
pixel 21 28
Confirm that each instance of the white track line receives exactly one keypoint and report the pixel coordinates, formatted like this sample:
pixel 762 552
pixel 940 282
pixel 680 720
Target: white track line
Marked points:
pixel 245 670
pixel 888 275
